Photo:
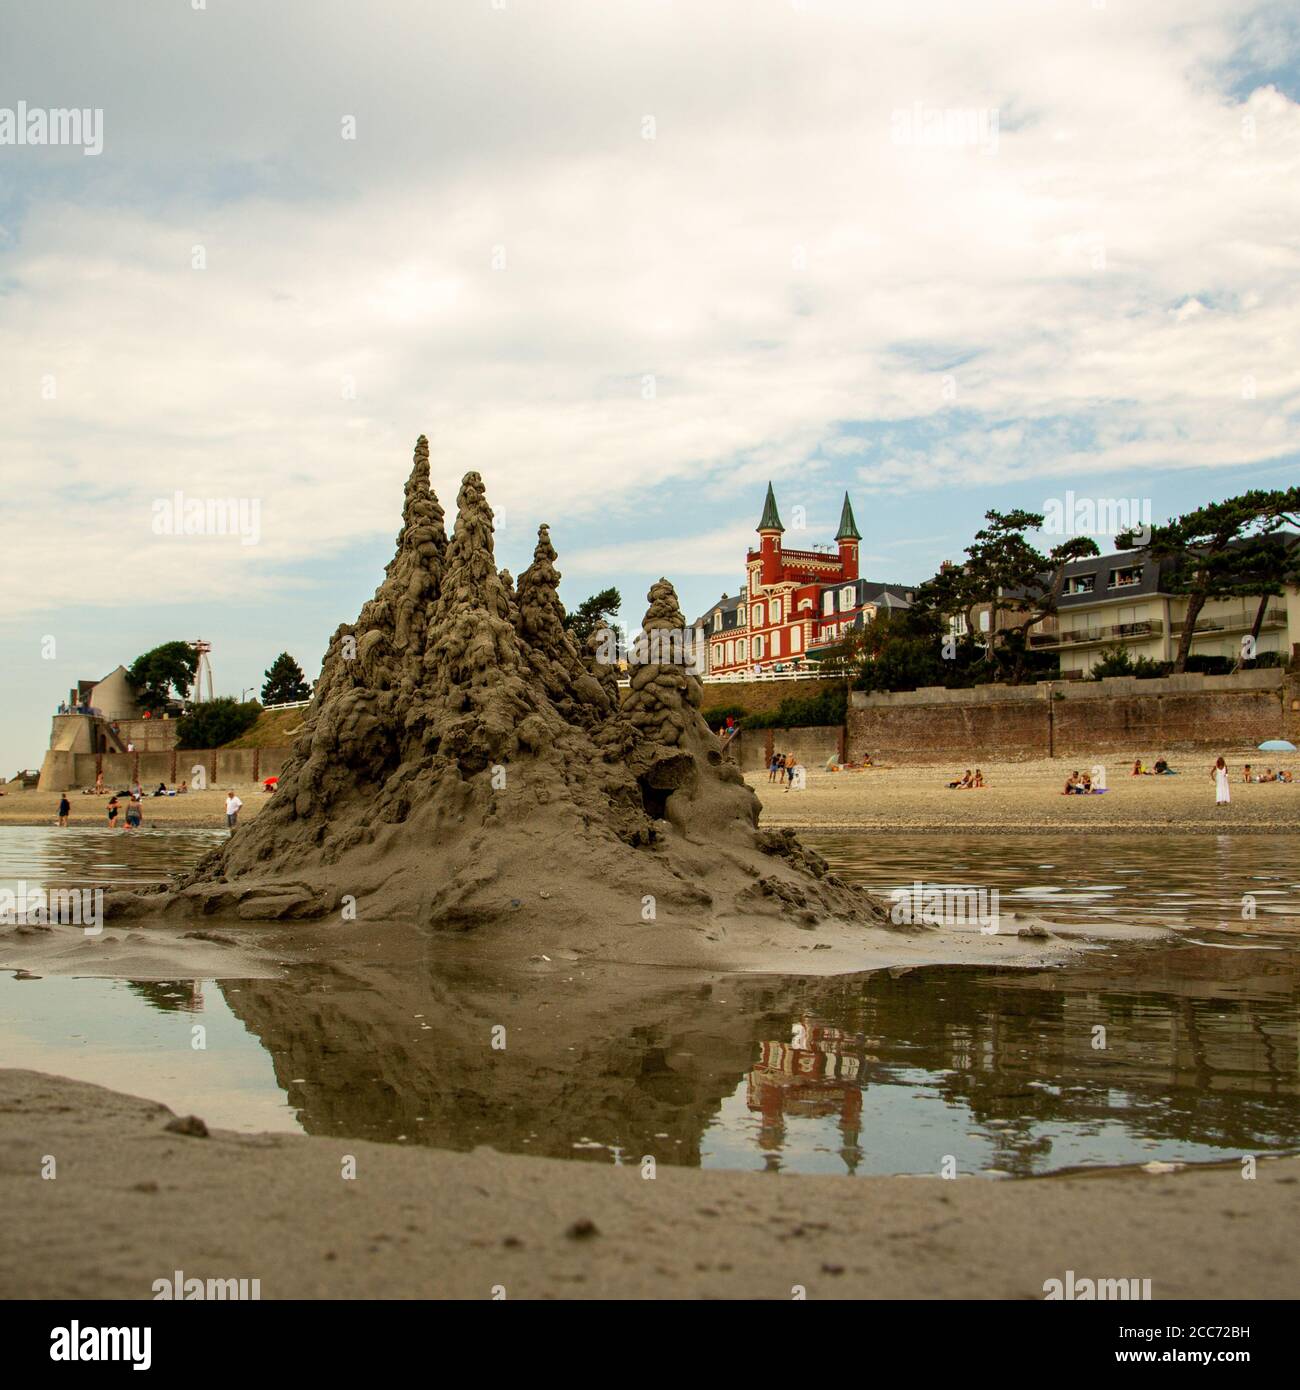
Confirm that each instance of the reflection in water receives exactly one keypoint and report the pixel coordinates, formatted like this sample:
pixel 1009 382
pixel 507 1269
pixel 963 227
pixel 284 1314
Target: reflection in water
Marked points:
pixel 1196 881
pixel 46 856
pixel 816 1075
pixel 888 1072
pixel 1184 1051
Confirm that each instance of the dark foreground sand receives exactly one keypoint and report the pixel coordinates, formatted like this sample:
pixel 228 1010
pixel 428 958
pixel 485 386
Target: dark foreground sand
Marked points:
pixel 133 1203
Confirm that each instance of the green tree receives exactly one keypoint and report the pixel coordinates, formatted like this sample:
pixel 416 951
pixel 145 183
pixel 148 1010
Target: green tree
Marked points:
pixel 162 675
pixel 591 612
pixel 1013 577
pixel 285 682
pixel 1267 565
pixel 1211 550
pixel 215 722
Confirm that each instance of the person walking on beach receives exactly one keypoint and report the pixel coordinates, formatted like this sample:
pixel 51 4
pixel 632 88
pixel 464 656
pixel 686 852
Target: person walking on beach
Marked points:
pixel 1223 793
pixel 112 812
pixel 772 767
pixel 65 809
pixel 233 803
pixel 133 814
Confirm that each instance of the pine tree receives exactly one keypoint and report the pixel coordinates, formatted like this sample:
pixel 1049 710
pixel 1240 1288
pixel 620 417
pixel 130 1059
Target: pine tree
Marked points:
pixel 285 682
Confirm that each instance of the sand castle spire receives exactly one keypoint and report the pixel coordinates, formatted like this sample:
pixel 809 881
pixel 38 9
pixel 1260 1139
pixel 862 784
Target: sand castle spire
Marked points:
pixel 458 748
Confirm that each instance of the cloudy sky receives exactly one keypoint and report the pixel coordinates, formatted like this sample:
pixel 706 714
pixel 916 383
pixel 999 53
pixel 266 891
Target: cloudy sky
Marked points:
pixel 629 259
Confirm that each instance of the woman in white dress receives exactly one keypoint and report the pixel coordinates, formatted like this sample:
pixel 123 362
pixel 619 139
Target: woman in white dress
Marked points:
pixel 1222 791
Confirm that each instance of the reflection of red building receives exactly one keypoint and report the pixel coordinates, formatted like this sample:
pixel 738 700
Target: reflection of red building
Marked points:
pixel 812 1076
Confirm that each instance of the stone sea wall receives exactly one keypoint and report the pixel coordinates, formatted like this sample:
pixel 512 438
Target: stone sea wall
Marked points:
pixel 1068 718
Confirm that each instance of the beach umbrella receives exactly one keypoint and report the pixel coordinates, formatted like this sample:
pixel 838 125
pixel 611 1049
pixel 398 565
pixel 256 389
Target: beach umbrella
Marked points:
pixel 1276 745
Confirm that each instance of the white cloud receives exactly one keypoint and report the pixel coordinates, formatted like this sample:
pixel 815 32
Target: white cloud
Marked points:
pixel 771 260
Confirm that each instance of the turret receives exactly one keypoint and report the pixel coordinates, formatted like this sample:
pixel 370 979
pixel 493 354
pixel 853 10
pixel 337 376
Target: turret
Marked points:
pixel 847 537
pixel 769 539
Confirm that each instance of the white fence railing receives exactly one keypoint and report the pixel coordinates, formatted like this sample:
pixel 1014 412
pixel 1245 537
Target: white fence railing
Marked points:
pixel 733 676
pixel 292 704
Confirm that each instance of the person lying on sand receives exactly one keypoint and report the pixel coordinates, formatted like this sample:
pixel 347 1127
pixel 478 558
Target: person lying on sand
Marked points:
pixel 1284 776
pixel 1268 775
pixel 1162 768
pixel 1138 769
pixel 962 783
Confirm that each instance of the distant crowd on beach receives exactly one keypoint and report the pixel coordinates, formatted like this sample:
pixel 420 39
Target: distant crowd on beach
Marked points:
pixel 784 767
pixel 128 804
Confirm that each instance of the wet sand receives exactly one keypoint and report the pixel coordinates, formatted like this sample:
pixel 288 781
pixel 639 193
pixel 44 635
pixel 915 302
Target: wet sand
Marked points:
pixel 1027 796
pixel 132 1203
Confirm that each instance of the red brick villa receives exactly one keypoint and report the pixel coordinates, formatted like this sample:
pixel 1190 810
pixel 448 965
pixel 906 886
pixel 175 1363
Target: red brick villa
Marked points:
pixel 796 603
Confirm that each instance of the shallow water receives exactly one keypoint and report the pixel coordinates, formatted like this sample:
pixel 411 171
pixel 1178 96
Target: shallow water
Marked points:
pixel 1000 1071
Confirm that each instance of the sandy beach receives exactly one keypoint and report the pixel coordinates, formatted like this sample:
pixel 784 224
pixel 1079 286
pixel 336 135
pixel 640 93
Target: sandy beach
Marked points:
pixel 205 810
pixel 1027 796
pixel 911 797
pixel 133 1202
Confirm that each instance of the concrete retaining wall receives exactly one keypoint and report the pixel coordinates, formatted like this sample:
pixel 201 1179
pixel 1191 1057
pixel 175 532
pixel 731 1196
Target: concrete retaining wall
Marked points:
pixel 812 745
pixel 220 766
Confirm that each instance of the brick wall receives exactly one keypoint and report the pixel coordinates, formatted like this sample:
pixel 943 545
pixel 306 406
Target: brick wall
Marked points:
pixel 1065 719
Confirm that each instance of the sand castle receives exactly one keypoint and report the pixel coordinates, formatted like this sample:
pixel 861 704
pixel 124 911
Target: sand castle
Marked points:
pixel 464 763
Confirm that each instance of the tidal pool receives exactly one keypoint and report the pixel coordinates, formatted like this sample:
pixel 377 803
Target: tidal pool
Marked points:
pixel 894 1072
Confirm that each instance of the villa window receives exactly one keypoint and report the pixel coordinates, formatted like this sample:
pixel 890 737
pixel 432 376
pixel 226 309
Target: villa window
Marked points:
pixel 776 610
pixel 758 649
pixel 1081 584
pixel 1126 577
pixel 847 597
pixel 828 602
pixel 776 643
pixel 756 615
pixel 717 654
pixel 717 621
pixel 731 652
pixel 796 638
pixel 742 649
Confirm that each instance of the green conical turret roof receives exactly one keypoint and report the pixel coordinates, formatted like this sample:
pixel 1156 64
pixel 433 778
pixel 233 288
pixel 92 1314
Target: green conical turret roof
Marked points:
pixel 848 527
pixel 770 521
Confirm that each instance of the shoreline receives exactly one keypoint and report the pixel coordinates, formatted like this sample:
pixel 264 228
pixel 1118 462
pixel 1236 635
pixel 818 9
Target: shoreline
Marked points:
pixel 429 1223
pixel 1022 797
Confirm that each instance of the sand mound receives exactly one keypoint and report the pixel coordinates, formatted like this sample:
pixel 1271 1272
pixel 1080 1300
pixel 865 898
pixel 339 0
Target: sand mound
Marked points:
pixel 463 761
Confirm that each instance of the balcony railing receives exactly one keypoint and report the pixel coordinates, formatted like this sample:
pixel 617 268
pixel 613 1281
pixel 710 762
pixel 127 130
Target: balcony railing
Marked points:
pixel 1233 622
pixel 1116 632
